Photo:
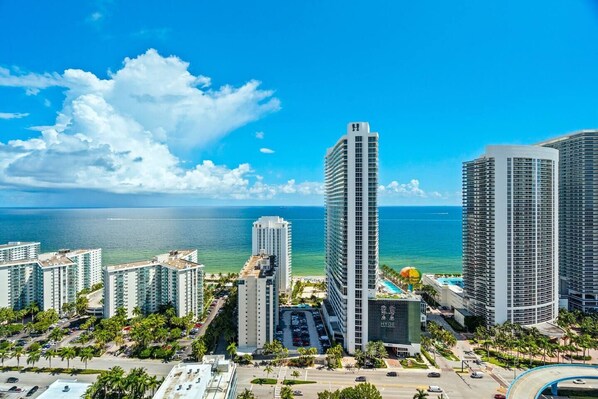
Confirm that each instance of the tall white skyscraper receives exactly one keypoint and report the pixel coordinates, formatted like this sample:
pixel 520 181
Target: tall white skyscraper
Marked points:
pixel 510 235
pixel 351 183
pixel 578 218
pixel 272 235
pixel 17 250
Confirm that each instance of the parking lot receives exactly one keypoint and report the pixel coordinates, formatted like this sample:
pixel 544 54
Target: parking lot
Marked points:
pixel 303 328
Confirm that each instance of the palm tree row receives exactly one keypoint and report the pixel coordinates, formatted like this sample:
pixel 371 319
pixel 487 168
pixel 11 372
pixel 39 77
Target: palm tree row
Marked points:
pixel 34 354
pixel 115 384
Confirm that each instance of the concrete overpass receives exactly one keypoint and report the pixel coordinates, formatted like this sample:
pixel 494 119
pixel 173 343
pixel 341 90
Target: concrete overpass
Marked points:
pixel 531 384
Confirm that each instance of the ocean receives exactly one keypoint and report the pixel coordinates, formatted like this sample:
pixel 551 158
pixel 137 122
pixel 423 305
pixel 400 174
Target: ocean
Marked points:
pixel 428 238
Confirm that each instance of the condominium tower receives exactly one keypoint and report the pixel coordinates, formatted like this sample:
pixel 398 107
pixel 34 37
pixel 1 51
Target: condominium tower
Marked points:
pixel 578 218
pixel 173 279
pixel 257 302
pixel 272 235
pixel 17 250
pixel 510 235
pixel 351 184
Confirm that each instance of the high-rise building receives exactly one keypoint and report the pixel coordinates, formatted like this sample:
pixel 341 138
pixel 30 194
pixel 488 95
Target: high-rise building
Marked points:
pixel 351 184
pixel 578 218
pixel 257 303
pixel 18 283
pixel 59 277
pixel 173 279
pixel 18 251
pixel 510 235
pixel 272 235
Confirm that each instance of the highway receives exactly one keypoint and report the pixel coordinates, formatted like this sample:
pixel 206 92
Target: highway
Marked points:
pixel 530 384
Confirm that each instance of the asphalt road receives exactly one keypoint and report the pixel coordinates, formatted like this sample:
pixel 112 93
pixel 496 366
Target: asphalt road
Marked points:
pixel 401 387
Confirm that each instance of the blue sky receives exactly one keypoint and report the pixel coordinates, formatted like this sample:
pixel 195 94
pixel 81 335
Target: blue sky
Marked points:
pixel 136 103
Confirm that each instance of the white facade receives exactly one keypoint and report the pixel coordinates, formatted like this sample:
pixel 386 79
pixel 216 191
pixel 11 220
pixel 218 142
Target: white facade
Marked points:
pixel 351 183
pixel 272 235
pixel 510 235
pixel 446 294
pixel 257 303
pixel 18 283
pixel 170 278
pixel 18 251
pixel 59 277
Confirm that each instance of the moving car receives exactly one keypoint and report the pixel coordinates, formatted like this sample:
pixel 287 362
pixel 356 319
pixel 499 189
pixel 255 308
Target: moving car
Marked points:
pixel 392 374
pixel 579 381
pixel 477 374
pixel 499 396
pixel 434 374
pixel 12 380
pixel 434 388
pixel 360 379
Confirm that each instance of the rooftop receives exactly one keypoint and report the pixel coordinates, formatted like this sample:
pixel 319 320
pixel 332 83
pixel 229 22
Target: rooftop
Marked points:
pixel 58 390
pixel 208 380
pixel 54 260
pixel 12 244
pixel 19 262
pixel 567 136
pixel 257 266
pixel 172 259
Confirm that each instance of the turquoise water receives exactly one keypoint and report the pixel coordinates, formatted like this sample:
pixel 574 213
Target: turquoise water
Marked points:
pixel 451 281
pixel 392 287
pixel 425 237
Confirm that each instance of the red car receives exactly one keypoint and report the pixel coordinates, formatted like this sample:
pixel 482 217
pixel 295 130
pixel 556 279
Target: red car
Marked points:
pixel 499 396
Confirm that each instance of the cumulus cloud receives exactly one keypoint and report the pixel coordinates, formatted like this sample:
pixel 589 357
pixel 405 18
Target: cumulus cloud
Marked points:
pixel 266 151
pixel 410 189
pixel 95 16
pixel 122 134
pixel 12 115
pixel 259 135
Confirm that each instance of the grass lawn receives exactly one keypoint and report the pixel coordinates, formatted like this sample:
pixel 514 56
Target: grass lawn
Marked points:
pixel 412 364
pixel 262 381
pixel 52 370
pixel 298 382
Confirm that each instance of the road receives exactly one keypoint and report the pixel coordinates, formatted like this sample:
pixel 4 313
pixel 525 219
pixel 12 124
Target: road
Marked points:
pixel 528 385
pixel 401 387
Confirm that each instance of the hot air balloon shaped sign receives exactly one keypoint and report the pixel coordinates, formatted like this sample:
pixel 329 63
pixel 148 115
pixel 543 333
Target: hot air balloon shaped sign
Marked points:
pixel 411 276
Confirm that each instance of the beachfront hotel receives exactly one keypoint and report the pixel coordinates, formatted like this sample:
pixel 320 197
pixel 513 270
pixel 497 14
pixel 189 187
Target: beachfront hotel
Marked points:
pixel 510 235
pixel 257 303
pixel 174 278
pixel 18 250
pixel 351 185
pixel 50 279
pixel 272 235
pixel 578 218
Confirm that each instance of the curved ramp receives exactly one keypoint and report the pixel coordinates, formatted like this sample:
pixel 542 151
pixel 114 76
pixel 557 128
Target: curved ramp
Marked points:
pixel 530 384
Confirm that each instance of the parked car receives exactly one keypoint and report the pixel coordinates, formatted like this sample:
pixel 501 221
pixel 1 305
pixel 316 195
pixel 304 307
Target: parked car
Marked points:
pixel 434 388
pixel 434 374
pixel 15 389
pixel 499 396
pixel 32 391
pixel 392 374
pixel 297 393
pixel 12 380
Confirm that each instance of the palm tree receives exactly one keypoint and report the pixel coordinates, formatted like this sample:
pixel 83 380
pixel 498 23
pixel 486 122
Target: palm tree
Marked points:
pixel 268 369
pixel 295 374
pixel 48 355
pixel 33 358
pixel 286 393
pixel 4 354
pixel 137 311
pixel 86 354
pixel 153 383
pixel 17 352
pixel 67 353
pixel 232 350
pixel 421 394
pixel 246 394
pixel 57 334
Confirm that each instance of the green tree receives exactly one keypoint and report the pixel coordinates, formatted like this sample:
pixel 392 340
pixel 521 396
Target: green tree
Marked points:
pixel 268 369
pixel 49 355
pixel 420 394
pixel 82 304
pixel 246 394
pixel 198 349
pixel 67 353
pixel 86 354
pixel 17 353
pixel 4 354
pixel 57 334
pixel 286 393
pixel 295 374
pixel 33 357
pixel 232 350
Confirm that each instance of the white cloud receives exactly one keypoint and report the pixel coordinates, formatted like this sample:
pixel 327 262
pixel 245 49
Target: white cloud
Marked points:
pixel 411 189
pixel 96 16
pixel 13 115
pixel 266 151
pixel 122 134
pixel 259 135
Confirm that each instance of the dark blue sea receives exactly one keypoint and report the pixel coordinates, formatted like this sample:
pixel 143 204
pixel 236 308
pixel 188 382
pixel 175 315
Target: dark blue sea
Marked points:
pixel 425 237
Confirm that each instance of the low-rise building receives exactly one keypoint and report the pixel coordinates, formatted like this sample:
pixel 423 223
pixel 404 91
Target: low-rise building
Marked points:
pixel 214 378
pixel 449 289
pixel 174 278
pixel 257 303
pixel 65 389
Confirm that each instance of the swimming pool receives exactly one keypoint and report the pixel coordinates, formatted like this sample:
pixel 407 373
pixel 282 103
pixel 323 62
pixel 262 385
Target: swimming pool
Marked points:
pixel 391 287
pixel 458 281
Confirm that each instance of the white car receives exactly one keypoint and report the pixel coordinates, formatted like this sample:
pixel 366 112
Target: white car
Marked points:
pixel 579 381
pixel 477 374
pixel 434 388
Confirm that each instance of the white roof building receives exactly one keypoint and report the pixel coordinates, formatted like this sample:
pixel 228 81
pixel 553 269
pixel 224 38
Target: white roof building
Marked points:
pixel 65 389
